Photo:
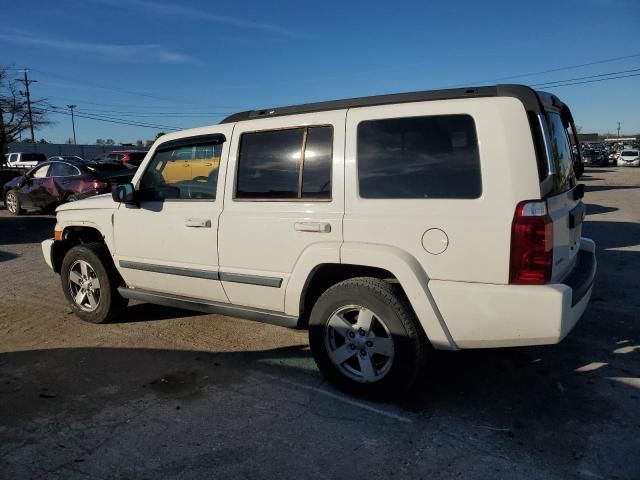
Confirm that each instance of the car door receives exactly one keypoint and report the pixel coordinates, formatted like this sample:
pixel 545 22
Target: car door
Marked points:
pixel 170 243
pixel 284 200
pixel 62 175
pixel 33 194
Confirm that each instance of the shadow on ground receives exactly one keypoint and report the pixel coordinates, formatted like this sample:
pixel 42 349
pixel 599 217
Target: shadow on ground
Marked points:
pixel 26 229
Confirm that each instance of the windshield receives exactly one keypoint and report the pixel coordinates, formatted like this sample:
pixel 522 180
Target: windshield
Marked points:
pixel 561 153
pixel 629 153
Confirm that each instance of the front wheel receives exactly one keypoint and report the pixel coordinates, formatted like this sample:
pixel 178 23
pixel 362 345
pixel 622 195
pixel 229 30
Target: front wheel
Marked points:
pixel 365 338
pixel 12 202
pixel 90 283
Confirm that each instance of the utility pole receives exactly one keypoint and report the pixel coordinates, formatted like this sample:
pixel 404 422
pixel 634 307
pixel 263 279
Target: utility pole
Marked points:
pixel 26 82
pixel 73 123
pixel 619 129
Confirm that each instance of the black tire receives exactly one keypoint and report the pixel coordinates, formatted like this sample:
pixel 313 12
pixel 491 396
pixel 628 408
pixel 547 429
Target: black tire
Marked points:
pixel 386 301
pixel 13 210
pixel 110 303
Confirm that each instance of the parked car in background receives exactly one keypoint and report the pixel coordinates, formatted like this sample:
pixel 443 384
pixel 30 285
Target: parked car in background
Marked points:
pixel 629 158
pixel 52 183
pixel 24 160
pixel 131 158
pixel 73 158
pixel 594 157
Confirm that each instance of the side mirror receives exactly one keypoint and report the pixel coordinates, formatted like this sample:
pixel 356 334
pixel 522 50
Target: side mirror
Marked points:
pixel 124 193
pixel 24 180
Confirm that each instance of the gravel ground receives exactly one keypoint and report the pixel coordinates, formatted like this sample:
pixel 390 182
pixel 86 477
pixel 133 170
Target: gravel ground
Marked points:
pixel 171 394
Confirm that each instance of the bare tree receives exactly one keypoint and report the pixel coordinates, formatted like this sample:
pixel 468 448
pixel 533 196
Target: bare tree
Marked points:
pixel 14 113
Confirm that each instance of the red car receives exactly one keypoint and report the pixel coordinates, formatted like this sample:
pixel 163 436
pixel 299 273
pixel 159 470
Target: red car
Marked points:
pixel 52 183
pixel 127 157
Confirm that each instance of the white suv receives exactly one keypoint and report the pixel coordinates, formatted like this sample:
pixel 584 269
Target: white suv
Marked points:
pixel 385 225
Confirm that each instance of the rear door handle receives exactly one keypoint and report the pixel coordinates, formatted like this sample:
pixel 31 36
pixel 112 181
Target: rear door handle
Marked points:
pixel 197 222
pixel 319 227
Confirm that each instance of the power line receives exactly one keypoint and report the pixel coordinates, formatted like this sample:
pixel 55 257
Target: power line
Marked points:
pixel 156 114
pixel 115 89
pixel 586 77
pixel 129 105
pixel 594 80
pixel 542 72
pixel 115 120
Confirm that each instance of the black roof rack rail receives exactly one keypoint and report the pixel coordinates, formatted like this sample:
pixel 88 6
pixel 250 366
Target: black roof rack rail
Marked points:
pixel 526 95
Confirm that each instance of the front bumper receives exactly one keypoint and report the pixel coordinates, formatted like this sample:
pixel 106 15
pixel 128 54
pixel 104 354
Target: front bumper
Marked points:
pixel 47 250
pixel 486 316
pixel 632 163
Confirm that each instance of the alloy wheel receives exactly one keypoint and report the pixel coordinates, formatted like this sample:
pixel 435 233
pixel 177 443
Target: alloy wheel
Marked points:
pixel 12 202
pixel 359 343
pixel 84 285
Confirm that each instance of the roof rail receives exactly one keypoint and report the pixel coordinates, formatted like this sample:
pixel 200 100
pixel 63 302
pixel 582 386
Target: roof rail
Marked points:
pixel 526 94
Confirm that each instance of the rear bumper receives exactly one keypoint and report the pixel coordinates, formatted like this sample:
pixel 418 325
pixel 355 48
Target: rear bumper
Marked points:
pixel 486 316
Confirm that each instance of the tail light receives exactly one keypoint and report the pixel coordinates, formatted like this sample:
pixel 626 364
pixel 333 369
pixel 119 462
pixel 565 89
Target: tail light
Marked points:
pixel 531 244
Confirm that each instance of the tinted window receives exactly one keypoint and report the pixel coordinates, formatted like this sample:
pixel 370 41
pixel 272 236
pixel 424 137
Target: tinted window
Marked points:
pixel 316 175
pixel 561 153
pixel 186 172
pixel 419 157
pixel 285 164
pixel 629 153
pixel 269 163
pixel 58 169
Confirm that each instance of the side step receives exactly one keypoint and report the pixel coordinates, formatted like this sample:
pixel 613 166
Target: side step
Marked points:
pixel 199 305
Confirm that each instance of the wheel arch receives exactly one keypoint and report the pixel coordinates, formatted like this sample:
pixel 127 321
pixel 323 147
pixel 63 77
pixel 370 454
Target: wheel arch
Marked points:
pixel 73 235
pixel 379 261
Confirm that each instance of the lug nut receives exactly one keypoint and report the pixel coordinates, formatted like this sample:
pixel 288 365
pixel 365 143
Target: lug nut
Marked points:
pixel 363 353
pixel 369 343
pixel 352 346
pixel 352 335
pixel 362 332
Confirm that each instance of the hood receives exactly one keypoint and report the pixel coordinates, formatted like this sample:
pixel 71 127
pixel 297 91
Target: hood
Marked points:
pixel 13 182
pixel 99 202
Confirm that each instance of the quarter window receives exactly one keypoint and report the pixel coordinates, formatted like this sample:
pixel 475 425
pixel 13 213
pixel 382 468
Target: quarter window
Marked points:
pixel 182 173
pixel 40 172
pixel 59 169
pixel 285 164
pixel 419 157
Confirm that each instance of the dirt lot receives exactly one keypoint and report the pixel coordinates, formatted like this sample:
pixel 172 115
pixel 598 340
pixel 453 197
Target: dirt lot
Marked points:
pixel 172 394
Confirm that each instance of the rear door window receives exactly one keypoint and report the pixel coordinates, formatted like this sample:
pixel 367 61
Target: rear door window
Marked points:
pixel 419 157
pixel 59 169
pixel 293 163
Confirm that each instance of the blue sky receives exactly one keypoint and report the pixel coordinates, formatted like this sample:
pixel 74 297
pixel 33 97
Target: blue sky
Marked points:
pixel 191 63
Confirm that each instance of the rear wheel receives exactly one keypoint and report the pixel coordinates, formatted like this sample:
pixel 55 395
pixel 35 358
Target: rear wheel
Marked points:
pixel 12 202
pixel 90 283
pixel 365 338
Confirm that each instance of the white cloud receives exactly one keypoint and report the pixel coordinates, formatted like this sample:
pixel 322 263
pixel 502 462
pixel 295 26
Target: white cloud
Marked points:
pixel 173 10
pixel 124 52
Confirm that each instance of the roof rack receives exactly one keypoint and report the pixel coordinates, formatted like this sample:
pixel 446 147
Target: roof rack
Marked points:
pixel 526 94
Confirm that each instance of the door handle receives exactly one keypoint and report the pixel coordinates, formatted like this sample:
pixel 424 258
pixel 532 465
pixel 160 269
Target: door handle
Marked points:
pixel 319 227
pixel 197 222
